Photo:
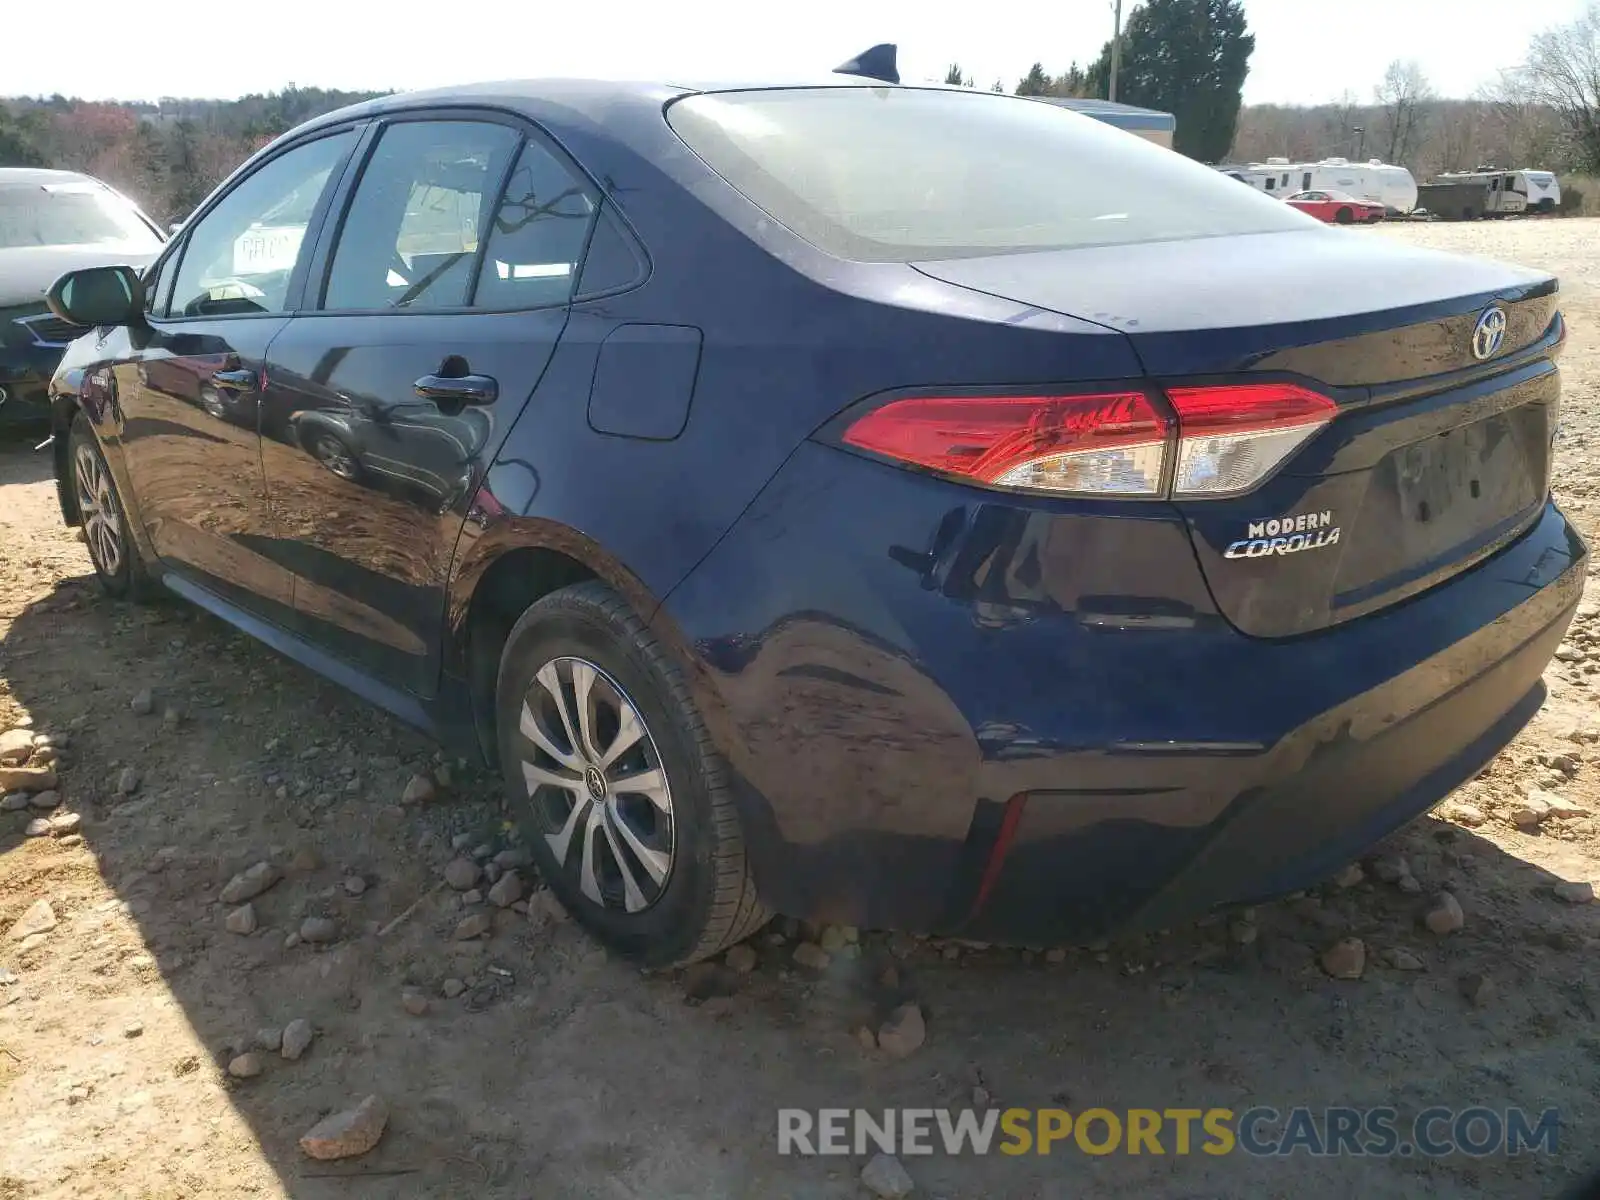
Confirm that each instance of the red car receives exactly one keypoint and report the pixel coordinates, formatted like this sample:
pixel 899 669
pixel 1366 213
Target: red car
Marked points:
pixel 1336 207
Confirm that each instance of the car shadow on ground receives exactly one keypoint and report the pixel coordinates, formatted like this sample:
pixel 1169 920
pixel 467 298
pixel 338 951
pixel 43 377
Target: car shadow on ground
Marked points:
pixel 19 461
pixel 561 1072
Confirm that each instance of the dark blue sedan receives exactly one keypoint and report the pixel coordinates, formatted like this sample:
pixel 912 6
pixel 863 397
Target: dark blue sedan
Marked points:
pixel 903 506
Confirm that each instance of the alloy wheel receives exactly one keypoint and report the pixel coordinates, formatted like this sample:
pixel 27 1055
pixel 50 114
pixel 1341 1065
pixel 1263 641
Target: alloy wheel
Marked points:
pixel 102 521
pixel 597 785
pixel 331 452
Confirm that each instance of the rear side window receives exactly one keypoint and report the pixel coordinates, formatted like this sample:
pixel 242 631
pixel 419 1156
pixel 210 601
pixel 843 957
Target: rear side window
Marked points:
pixel 898 174
pixel 537 236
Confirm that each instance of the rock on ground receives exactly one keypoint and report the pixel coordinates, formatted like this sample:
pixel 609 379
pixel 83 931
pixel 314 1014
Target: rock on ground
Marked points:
pixel 904 1032
pixel 1578 891
pixel 1392 869
pixel 477 925
pixel 740 958
pixel 297 1037
pixel 250 883
pixel 461 873
pixel 27 779
pixel 318 929
pixel 809 954
pixel 128 781
pixel 1477 990
pixel 884 1176
pixel 506 891
pixel 241 920
pixel 39 918
pixel 1345 959
pixel 16 746
pixel 46 799
pixel 245 1066
pixel 1403 960
pixel 349 1133
pixel 1530 811
pixel 420 790
pixel 1445 917
pixel 544 906
pixel 1351 875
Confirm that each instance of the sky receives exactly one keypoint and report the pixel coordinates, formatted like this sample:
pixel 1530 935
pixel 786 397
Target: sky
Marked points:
pixel 1307 51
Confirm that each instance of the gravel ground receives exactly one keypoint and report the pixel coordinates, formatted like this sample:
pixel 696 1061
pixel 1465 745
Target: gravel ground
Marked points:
pixel 146 1016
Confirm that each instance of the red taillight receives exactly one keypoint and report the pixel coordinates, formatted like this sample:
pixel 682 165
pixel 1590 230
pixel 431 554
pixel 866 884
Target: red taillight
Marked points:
pixel 1114 443
pixel 1234 436
pixel 1111 443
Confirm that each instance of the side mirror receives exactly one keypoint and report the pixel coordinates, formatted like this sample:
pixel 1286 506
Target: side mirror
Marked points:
pixel 98 296
pixel 174 227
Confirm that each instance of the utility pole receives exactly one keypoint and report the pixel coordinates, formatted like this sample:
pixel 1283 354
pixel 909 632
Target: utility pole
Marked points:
pixel 1361 146
pixel 1116 48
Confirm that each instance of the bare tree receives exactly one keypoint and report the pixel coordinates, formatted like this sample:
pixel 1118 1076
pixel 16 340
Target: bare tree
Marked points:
pixel 1563 72
pixel 1347 115
pixel 1517 130
pixel 1403 97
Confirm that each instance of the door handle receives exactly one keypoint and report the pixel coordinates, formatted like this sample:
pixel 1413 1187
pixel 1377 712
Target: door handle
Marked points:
pixel 235 381
pixel 454 391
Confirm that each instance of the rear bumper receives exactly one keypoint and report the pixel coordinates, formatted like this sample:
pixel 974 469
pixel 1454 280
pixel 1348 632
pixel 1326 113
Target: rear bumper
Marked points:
pixel 946 713
pixel 1327 791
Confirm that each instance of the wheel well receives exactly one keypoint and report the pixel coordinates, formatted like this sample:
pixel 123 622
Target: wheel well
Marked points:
pixel 513 581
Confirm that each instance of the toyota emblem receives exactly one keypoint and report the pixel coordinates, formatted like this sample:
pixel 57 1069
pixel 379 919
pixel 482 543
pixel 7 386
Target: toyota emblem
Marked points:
pixel 1489 333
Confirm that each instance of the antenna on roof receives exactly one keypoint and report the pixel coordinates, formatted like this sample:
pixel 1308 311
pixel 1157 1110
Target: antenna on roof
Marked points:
pixel 876 63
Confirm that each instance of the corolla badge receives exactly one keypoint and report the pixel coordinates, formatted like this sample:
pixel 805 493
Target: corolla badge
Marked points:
pixel 1489 333
pixel 1286 535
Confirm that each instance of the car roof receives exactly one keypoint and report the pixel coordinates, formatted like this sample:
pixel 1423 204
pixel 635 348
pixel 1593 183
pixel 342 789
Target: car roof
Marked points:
pixel 595 100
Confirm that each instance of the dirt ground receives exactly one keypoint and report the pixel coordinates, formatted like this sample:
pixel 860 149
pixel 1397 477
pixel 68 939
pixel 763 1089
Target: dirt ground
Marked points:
pixel 558 1072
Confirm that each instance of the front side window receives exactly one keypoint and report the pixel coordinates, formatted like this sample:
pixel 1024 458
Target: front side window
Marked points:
pixel 538 235
pixel 75 212
pixel 238 258
pixel 410 238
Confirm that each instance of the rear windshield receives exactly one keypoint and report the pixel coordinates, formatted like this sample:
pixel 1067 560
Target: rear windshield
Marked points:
pixel 68 214
pixel 898 174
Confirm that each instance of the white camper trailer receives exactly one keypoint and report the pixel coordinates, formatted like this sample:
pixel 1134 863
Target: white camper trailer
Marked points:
pixel 1506 191
pixel 1543 190
pixel 1377 181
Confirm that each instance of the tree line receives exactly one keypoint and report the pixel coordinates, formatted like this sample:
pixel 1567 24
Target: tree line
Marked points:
pixel 1186 57
pixel 166 155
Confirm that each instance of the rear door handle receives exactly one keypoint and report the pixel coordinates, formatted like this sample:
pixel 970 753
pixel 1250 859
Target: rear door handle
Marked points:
pixel 235 381
pixel 457 390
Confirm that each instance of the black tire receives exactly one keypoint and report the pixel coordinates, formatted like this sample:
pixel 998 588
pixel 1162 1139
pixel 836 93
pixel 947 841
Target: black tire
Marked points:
pixel 1344 216
pixel 707 899
pixel 127 578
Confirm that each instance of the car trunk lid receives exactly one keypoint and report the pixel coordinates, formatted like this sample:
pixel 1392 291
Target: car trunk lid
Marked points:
pixel 1436 457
